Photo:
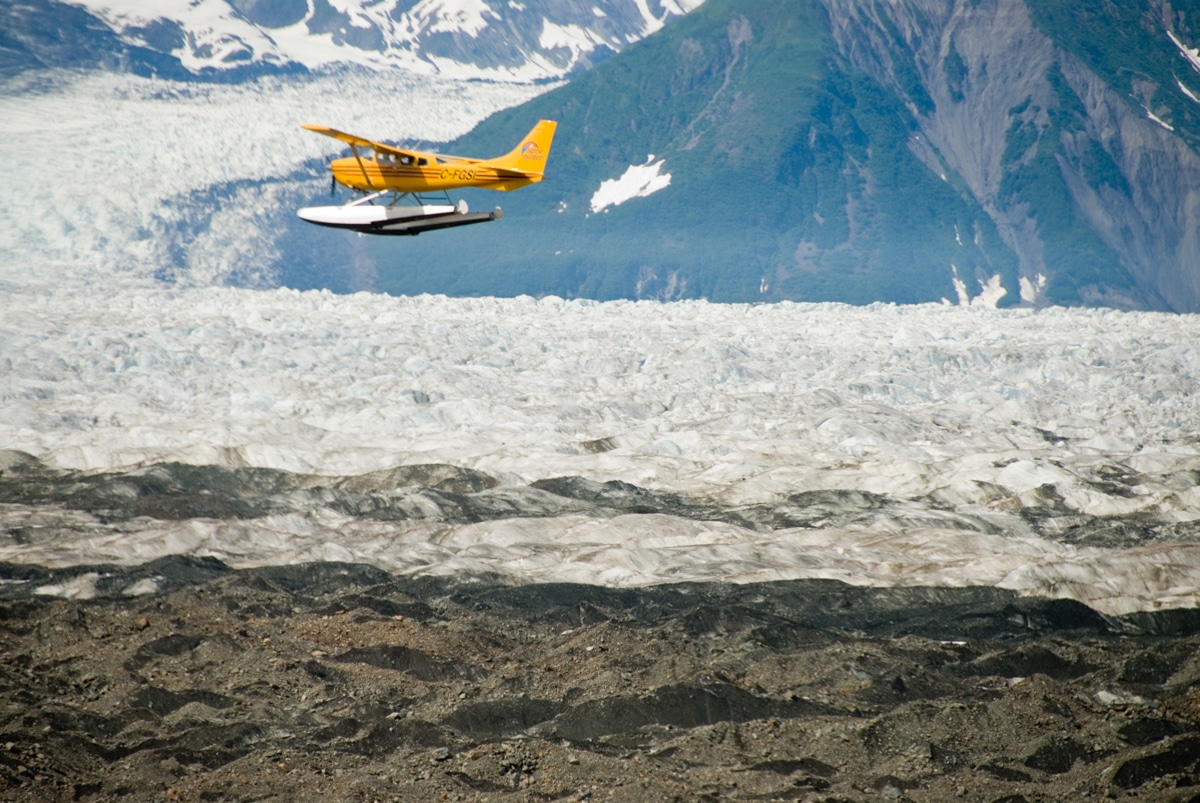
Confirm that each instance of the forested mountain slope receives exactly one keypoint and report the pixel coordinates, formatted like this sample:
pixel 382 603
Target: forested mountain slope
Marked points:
pixel 859 151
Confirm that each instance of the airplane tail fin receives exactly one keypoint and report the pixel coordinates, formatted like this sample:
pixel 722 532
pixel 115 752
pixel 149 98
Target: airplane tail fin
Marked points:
pixel 529 157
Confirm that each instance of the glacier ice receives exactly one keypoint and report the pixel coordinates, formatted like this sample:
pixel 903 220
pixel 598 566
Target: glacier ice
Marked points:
pixel 154 173
pixel 996 416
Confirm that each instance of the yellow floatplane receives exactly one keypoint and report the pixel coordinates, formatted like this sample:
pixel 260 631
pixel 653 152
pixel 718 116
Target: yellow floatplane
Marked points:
pixel 396 183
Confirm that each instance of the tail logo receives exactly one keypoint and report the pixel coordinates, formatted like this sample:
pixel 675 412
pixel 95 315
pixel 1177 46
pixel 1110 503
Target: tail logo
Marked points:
pixel 530 150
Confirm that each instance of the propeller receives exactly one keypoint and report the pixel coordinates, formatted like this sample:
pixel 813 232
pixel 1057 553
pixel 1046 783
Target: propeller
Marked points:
pixel 332 186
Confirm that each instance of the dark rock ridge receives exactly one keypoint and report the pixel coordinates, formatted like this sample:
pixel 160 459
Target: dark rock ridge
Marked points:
pixel 307 683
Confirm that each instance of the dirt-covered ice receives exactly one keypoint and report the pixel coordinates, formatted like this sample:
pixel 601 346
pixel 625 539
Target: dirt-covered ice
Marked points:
pixel 340 682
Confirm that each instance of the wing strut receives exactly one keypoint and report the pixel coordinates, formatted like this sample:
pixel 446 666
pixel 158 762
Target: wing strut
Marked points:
pixel 361 166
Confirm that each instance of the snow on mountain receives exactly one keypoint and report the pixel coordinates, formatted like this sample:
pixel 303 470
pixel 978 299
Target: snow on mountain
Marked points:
pixel 491 39
pixel 637 181
pixel 1050 452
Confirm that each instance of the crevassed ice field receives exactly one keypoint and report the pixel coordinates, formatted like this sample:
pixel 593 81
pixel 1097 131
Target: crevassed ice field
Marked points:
pixel 1055 452
pixel 964 419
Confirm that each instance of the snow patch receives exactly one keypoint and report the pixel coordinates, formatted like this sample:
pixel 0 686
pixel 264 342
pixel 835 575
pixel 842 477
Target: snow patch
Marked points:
pixel 216 35
pixel 638 181
pixel 1192 95
pixel 1031 291
pixel 1152 116
pixel 669 7
pixel 453 16
pixel 990 292
pixel 572 37
pixel 1192 54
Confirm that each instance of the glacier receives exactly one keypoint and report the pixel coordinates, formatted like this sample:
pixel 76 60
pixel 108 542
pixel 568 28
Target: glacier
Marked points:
pixel 197 181
pixel 1052 452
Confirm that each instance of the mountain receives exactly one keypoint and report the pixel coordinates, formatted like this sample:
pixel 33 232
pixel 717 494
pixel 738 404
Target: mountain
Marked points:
pixel 985 151
pixel 231 40
pixel 1014 151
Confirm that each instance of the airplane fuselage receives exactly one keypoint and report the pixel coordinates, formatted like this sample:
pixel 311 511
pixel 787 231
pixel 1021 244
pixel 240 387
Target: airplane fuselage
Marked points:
pixel 384 172
pixel 379 170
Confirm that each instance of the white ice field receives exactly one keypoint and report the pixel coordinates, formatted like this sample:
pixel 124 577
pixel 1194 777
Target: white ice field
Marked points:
pixel 979 409
pixel 982 414
pixel 110 177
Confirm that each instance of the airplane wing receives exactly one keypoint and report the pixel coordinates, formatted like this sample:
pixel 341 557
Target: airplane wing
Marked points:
pixel 359 142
